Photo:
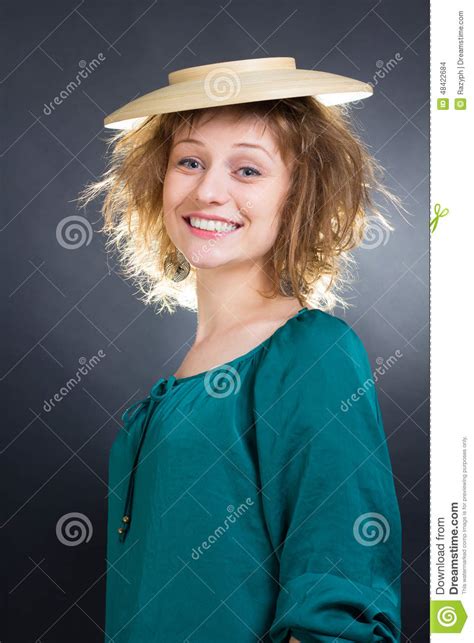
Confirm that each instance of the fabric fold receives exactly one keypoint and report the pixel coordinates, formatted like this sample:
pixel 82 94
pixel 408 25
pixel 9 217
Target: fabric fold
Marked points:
pixel 328 494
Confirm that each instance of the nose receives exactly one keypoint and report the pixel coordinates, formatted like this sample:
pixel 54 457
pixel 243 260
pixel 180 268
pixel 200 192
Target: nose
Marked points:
pixel 212 186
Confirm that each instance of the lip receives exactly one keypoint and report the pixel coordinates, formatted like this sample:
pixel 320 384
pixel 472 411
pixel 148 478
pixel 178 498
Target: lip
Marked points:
pixel 211 217
pixel 208 234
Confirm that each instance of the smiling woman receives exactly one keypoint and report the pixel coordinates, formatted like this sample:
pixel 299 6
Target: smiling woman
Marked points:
pixel 302 196
pixel 246 212
pixel 234 181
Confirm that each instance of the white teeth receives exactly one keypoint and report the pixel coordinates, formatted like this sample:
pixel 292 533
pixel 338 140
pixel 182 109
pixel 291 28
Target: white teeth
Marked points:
pixel 215 226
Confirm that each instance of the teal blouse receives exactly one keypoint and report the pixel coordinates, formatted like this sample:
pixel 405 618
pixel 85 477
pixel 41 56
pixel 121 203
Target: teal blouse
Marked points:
pixel 255 501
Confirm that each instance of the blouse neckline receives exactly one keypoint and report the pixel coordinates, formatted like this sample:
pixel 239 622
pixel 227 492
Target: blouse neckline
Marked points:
pixel 248 354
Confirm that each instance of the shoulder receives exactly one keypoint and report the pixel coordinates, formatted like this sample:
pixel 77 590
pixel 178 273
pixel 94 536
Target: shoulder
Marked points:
pixel 333 327
pixel 315 349
pixel 310 378
pixel 318 333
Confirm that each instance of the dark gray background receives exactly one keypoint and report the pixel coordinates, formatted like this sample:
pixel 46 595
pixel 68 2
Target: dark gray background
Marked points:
pixel 61 304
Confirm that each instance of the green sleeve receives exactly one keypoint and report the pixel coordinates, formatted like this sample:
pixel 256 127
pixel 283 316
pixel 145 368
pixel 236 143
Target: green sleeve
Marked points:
pixel 327 491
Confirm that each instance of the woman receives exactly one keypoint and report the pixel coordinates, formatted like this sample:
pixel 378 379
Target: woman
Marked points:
pixel 251 493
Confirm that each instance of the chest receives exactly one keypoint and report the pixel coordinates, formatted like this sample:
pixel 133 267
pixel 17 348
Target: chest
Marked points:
pixel 225 348
pixel 199 450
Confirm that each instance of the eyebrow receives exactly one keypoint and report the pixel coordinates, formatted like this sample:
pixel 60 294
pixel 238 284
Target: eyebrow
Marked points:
pixel 251 145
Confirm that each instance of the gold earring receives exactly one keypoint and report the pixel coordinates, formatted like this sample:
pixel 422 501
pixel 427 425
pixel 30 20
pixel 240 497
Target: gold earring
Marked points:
pixel 176 266
pixel 286 286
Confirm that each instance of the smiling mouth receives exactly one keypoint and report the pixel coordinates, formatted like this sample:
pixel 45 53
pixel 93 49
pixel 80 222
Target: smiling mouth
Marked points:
pixel 212 225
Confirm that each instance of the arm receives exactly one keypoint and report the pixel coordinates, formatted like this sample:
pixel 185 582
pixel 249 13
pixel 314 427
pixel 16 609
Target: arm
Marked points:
pixel 328 496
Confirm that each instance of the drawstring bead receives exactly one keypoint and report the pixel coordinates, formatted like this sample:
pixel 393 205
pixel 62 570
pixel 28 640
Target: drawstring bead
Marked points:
pixel 151 401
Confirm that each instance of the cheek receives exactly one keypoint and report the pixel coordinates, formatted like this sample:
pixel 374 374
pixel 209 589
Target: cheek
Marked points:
pixel 171 196
pixel 272 231
pixel 176 189
pixel 265 214
pixel 168 188
pixel 166 191
pixel 263 230
pixel 169 204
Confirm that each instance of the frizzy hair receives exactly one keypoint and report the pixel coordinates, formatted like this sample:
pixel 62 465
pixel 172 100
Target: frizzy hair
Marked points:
pixel 325 214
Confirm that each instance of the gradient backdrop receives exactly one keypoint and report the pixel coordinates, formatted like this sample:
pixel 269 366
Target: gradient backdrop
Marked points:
pixel 65 302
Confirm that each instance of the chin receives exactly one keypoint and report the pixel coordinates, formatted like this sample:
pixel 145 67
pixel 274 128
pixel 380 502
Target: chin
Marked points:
pixel 206 261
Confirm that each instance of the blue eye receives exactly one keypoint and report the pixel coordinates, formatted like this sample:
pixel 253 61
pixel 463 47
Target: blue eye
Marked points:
pixel 254 171
pixel 183 161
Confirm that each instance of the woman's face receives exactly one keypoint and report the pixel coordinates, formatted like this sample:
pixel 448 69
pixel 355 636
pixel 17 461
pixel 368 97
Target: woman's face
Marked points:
pixel 223 188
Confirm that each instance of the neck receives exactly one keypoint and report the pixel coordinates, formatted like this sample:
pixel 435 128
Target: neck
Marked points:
pixel 228 298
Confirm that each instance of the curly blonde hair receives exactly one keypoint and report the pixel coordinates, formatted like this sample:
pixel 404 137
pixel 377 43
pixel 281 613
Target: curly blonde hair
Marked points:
pixel 324 216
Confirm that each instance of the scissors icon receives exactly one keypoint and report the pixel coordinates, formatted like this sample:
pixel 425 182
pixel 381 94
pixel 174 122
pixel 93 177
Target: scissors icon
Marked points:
pixel 439 213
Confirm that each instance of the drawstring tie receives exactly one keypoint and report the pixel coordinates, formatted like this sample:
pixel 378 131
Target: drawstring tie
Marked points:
pixel 128 417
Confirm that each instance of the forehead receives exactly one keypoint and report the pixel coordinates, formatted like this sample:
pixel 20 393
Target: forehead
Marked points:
pixel 228 126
